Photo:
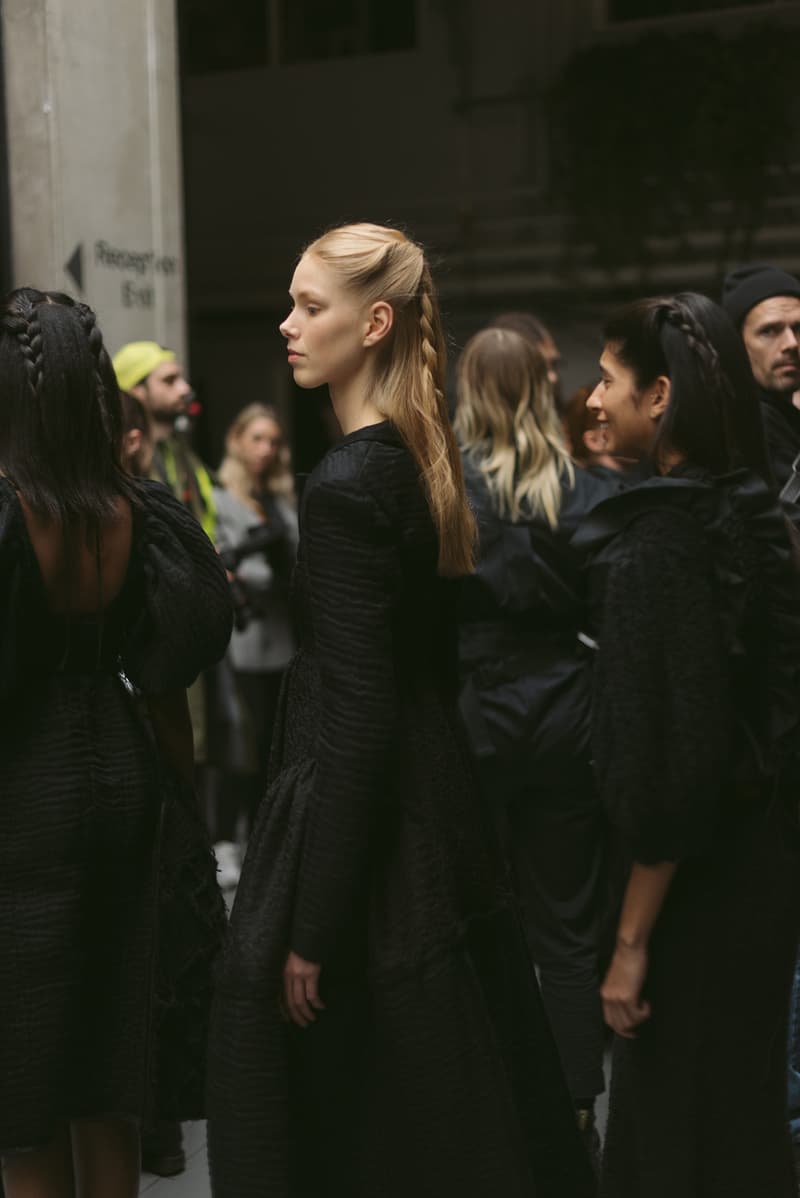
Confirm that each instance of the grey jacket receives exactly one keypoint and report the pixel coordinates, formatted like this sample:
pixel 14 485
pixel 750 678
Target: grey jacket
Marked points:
pixel 266 644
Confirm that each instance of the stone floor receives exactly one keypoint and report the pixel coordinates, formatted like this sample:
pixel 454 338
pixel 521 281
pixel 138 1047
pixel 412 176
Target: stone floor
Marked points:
pixel 194 1182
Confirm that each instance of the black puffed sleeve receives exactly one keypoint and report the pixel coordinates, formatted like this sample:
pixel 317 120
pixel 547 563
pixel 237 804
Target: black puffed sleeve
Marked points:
pixel 186 618
pixel 661 720
pixel 352 562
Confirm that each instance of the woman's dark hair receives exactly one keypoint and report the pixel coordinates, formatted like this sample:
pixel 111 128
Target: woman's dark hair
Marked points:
pixel 60 416
pixel 713 415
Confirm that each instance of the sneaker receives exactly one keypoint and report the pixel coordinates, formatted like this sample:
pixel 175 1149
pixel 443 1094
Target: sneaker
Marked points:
pixel 229 864
pixel 162 1149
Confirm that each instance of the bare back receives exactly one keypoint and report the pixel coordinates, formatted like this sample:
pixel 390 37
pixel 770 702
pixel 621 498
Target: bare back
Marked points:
pixel 75 586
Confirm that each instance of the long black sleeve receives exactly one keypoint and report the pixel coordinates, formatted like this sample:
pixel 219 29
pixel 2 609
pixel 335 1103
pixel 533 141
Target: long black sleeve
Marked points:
pixel 352 566
pixel 661 714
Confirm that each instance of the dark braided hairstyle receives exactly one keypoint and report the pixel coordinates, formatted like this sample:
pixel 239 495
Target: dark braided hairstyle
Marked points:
pixel 60 416
pixel 713 417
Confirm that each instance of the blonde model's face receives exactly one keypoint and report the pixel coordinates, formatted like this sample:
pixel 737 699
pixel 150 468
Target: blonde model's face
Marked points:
pixel 327 330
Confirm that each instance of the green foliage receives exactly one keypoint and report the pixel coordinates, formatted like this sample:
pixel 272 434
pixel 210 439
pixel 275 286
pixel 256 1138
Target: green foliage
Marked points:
pixel 648 135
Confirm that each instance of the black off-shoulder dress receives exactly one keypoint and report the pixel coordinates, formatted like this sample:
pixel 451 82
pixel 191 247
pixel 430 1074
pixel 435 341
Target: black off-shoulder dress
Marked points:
pixel 109 911
pixel 696 747
pixel 432 1071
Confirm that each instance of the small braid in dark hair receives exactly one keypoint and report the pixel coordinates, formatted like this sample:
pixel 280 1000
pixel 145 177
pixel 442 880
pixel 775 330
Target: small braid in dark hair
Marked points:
pixel 88 321
pixel 23 325
pixel 714 379
pixel 678 316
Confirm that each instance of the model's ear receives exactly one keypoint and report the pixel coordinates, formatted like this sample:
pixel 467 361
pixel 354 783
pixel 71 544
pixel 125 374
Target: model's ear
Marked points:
pixel 659 397
pixel 139 391
pixel 381 319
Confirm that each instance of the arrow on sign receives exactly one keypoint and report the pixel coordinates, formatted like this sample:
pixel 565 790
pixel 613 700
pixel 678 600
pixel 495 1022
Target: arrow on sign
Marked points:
pixel 75 266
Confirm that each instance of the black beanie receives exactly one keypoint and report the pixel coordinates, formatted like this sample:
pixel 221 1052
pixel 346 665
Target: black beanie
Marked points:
pixel 749 285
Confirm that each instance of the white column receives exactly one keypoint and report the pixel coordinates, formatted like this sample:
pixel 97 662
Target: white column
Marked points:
pixel 94 160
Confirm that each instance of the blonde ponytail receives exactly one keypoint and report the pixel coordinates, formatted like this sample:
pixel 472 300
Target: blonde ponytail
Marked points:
pixel 380 263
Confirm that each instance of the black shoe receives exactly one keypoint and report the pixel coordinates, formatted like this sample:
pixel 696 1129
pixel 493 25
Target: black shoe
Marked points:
pixel 162 1149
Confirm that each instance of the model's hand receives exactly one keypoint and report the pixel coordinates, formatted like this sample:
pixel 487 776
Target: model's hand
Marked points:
pixel 301 990
pixel 623 1007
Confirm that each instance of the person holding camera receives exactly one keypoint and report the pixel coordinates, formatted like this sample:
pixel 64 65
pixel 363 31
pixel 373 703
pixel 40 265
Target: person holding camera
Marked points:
pixel 257 538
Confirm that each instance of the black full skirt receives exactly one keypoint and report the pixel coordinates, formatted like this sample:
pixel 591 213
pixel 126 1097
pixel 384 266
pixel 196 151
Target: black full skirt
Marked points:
pixel 427 1074
pixel 698 1099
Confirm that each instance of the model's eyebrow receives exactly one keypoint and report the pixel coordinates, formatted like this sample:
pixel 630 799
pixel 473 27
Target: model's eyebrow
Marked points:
pixel 304 295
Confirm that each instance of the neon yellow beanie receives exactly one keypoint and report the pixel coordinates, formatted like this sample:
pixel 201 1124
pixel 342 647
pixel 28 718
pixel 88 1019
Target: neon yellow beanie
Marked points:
pixel 136 360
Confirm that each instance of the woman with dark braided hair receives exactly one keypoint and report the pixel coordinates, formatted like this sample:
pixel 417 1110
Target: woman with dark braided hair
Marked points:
pixel 696 742
pixel 377 1031
pixel 111 600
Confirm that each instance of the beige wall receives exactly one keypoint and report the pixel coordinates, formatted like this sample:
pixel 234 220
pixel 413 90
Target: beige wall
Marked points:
pixel 94 159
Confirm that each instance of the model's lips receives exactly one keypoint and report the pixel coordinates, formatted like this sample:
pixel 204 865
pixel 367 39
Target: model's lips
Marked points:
pixel 294 356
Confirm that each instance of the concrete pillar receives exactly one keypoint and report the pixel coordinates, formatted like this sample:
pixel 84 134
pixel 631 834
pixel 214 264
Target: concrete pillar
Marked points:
pixel 94 161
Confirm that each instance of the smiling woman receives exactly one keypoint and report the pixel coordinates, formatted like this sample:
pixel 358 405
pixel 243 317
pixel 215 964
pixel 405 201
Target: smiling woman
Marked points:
pixel 696 741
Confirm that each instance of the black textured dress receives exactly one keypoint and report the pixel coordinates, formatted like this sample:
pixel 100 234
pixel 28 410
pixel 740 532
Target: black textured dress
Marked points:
pixel 109 912
pixel 432 1071
pixel 696 743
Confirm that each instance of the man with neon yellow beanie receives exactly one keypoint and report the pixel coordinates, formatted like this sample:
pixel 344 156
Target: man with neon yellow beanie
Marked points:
pixel 152 374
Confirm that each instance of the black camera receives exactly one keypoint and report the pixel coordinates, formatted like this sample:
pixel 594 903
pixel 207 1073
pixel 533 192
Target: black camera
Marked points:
pixel 269 540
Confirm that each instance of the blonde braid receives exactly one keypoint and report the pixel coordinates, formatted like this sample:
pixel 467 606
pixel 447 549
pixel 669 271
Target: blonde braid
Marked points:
pixel 445 488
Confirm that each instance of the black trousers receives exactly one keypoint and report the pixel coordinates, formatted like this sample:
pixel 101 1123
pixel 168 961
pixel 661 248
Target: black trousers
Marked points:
pixel 237 793
pixel 556 843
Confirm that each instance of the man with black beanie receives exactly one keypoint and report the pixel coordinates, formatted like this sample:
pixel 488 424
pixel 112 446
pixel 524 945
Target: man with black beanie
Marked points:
pixel 764 304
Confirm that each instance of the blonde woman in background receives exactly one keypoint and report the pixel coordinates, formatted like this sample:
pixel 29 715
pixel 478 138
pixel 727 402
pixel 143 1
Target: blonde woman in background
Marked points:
pixel 257 538
pixel 378 1029
pixel 526 678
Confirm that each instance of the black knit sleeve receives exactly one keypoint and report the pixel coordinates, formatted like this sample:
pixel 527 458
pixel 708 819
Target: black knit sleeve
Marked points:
pixel 661 720
pixel 351 560
pixel 14 601
pixel 185 621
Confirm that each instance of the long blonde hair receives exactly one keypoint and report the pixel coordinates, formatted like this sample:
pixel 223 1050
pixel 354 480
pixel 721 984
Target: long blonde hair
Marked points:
pixel 233 473
pixel 506 418
pixel 382 264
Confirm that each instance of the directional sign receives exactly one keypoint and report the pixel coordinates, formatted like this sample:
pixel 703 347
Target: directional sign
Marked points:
pixel 74 267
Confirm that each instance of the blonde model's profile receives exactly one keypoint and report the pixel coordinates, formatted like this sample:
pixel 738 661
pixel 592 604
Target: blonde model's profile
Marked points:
pixel 375 983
